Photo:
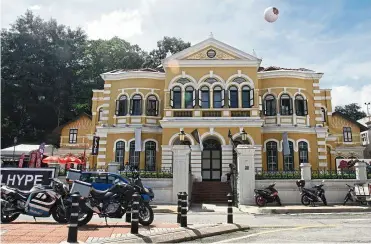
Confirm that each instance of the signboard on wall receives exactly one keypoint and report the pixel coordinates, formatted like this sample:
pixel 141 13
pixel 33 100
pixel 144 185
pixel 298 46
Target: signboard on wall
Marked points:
pixel 26 178
pixel 95 147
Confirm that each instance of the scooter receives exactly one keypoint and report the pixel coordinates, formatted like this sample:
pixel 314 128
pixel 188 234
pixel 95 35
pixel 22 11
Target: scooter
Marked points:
pixel 267 195
pixel 313 195
pixel 352 196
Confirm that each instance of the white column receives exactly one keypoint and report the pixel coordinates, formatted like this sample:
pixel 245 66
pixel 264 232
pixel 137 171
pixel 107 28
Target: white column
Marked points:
pixel 196 166
pixel 306 173
pixel 361 171
pixel 227 158
pixel 167 157
pixel 246 174
pixel 180 170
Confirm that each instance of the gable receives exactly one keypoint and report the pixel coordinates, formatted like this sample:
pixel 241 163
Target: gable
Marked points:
pixel 211 52
pixel 338 122
pixel 82 122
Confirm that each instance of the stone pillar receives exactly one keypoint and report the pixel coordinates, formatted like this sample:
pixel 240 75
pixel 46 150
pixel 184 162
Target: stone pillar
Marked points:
pixel 167 157
pixel 306 173
pixel 361 171
pixel 180 170
pixel 196 165
pixel 113 167
pixel 227 158
pixel 246 174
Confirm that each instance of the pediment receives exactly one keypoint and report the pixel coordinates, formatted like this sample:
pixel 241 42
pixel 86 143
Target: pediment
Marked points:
pixel 211 52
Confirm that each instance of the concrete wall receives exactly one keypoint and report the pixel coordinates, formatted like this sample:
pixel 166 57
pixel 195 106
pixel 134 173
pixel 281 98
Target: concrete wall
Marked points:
pixel 163 189
pixel 335 190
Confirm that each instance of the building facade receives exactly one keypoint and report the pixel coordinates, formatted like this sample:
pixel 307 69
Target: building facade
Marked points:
pixel 217 89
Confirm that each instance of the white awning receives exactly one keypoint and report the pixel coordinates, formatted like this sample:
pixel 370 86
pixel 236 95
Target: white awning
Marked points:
pixel 26 149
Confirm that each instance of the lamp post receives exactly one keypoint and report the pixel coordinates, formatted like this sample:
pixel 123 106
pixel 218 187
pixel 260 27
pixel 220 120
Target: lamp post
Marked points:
pixel 15 140
pixel 244 136
pixel 367 104
pixel 182 137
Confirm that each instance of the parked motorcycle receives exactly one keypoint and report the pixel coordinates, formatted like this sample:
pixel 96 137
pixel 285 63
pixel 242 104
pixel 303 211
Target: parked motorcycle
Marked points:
pixel 313 195
pixel 267 195
pixel 40 201
pixel 115 201
pixel 351 195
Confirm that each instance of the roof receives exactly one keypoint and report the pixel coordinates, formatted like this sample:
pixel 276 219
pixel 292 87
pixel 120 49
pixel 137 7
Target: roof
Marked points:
pixel 119 71
pixel 58 129
pixel 364 121
pixel 271 68
pixel 361 126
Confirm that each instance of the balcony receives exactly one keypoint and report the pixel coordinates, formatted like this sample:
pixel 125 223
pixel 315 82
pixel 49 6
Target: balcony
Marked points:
pixel 182 114
pixel 240 113
pixel 211 113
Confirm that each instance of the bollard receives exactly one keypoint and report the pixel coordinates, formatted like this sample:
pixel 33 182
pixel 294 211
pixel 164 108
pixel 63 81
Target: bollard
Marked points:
pixel 72 228
pixel 135 214
pixel 183 220
pixel 179 209
pixel 230 209
pixel 128 214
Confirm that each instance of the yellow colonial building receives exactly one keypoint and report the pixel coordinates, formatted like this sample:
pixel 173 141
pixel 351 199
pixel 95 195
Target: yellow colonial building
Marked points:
pixel 216 88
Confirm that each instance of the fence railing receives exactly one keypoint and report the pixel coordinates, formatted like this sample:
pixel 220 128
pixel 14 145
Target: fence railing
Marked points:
pixel 261 174
pixel 160 173
pixel 333 174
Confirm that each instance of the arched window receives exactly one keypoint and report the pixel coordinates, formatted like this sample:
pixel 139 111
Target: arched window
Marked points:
pixel 285 105
pixel 204 97
pixel 190 97
pixel 218 97
pixel 176 97
pixel 301 106
pixel 247 97
pixel 324 115
pixel 120 152
pixel 288 160
pixel 150 152
pixel 270 105
pixel 303 152
pixel 233 97
pixel 100 114
pixel 134 156
pixel 272 160
pixel 136 105
pixel 122 106
pixel 152 106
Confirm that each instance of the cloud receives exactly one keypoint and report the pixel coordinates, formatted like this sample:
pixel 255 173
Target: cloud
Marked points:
pixel 35 7
pixel 124 24
pixel 342 95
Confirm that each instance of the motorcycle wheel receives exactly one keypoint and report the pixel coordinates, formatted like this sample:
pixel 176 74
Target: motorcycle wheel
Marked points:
pixel 59 215
pixel 146 215
pixel 7 218
pixel 260 201
pixel 84 218
pixel 278 200
pixel 346 200
pixel 324 200
pixel 305 200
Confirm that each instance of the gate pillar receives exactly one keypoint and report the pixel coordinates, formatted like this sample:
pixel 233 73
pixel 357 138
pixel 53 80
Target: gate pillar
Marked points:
pixel 246 174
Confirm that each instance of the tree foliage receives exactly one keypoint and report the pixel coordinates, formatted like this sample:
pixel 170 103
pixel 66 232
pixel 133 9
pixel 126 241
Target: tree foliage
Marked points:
pixel 352 110
pixel 48 71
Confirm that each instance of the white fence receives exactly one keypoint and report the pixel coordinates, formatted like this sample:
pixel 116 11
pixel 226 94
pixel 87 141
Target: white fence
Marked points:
pixel 162 188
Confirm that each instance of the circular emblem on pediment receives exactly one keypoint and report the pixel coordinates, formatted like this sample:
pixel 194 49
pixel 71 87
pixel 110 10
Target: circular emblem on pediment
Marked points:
pixel 211 53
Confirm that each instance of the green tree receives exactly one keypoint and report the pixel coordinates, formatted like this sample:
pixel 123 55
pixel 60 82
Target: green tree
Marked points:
pixel 168 44
pixel 352 110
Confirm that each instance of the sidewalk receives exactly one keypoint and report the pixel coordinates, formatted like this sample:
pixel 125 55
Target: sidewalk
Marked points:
pixel 295 209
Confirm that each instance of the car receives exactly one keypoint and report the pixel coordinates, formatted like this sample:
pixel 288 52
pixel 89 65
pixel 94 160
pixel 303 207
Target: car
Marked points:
pixel 102 180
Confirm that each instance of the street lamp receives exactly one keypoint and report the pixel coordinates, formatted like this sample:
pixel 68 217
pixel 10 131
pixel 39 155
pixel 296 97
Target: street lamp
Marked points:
pixel 182 137
pixel 15 140
pixel 367 104
pixel 244 136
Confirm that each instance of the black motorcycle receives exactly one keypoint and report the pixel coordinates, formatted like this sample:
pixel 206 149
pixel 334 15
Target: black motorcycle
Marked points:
pixel 40 201
pixel 312 195
pixel 352 196
pixel 115 201
pixel 267 195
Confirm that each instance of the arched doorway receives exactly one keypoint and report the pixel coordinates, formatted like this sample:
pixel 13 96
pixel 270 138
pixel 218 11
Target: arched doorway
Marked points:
pixel 211 160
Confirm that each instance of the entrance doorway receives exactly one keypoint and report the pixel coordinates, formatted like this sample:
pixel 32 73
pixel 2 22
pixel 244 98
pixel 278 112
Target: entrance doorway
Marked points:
pixel 211 160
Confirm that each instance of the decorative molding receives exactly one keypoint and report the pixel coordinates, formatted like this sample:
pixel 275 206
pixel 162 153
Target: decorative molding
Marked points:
pixel 176 135
pixel 206 122
pixel 150 139
pixel 133 75
pixel 107 85
pixel 279 149
pixel 214 134
pixel 289 74
pixel 238 134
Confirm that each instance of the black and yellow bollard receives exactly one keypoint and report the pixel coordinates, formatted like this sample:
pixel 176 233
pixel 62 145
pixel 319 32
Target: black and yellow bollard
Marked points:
pixel 135 214
pixel 74 217
pixel 230 208
pixel 183 220
pixel 128 214
pixel 179 209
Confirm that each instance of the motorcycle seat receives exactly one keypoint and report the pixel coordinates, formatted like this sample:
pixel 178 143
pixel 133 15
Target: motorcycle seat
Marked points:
pixel 98 194
pixel 24 193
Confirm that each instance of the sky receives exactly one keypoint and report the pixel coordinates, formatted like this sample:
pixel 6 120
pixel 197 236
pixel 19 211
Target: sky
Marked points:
pixel 331 36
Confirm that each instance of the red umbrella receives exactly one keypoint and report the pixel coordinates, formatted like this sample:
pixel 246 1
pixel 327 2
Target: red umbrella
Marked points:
pixel 51 159
pixel 72 159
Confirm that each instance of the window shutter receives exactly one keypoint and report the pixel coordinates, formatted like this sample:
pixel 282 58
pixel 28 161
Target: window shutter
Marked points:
pixel 229 98
pixel 117 107
pixel 251 97
pixel 157 108
pixel 194 98
pixel 265 107
pixel 199 99
pixel 305 107
pixel 131 106
pixel 290 112
pixel 171 98
pixel 297 111
pixel 140 106
pixel 223 93
pixel 125 107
